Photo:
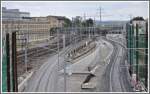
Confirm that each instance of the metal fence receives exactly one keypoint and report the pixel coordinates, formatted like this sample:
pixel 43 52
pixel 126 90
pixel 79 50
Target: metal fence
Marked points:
pixel 137 44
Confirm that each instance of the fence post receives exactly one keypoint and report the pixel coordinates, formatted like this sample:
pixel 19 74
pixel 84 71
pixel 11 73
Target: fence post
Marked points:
pixel 14 63
pixel 8 62
pixel 137 54
pixel 146 56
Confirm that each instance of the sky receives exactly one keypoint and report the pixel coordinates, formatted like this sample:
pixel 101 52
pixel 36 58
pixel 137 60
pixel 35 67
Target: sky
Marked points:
pixel 110 10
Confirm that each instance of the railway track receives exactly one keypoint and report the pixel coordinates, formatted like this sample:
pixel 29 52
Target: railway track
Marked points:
pixel 39 51
pixel 36 52
pixel 115 75
pixel 110 67
pixel 45 79
pixel 114 83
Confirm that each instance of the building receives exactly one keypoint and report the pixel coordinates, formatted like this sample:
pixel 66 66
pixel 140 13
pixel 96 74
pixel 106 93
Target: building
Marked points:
pixel 38 28
pixel 115 26
pixel 13 14
pixel 54 21
pixel 137 44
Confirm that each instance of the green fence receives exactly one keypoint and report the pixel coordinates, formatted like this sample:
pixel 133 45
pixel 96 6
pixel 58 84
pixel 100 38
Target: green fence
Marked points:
pixel 4 65
pixel 9 77
pixel 137 44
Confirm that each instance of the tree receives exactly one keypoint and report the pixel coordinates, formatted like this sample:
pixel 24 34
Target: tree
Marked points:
pixel 53 30
pixel 137 19
pixel 67 22
pixel 84 24
pixel 89 22
pixel 77 21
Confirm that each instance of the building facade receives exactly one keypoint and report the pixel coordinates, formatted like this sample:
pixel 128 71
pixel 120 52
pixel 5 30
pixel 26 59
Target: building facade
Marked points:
pixel 37 28
pixel 13 14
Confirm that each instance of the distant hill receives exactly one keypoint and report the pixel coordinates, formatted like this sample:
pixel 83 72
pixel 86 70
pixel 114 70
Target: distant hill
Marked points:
pixel 111 22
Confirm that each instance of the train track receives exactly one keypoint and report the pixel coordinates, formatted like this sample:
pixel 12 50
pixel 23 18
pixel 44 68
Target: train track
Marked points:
pixel 115 75
pixel 113 60
pixel 110 66
pixel 45 79
pixel 36 52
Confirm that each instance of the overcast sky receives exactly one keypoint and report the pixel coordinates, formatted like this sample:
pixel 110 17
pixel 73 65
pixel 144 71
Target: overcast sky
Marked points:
pixel 110 10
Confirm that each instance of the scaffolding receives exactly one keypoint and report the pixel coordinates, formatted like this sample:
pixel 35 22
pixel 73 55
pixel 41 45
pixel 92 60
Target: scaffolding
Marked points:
pixel 137 44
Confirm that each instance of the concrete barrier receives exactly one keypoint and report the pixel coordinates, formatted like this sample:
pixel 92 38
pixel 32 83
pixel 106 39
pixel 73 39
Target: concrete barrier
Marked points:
pixel 89 82
pixel 22 85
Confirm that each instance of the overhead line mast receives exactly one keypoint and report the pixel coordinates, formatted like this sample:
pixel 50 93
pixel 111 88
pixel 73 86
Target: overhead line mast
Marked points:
pixel 100 14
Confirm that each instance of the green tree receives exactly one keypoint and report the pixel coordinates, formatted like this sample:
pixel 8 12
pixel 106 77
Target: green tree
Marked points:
pixel 84 24
pixel 89 22
pixel 77 21
pixel 67 22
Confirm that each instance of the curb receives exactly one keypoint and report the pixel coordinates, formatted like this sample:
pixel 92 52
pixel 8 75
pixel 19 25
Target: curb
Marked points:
pixel 22 85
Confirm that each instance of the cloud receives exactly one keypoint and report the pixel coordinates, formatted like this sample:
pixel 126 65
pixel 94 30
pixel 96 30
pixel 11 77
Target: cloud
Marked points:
pixel 110 10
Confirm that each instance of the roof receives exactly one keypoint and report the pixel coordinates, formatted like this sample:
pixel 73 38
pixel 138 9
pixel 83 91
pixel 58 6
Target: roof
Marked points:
pixel 58 17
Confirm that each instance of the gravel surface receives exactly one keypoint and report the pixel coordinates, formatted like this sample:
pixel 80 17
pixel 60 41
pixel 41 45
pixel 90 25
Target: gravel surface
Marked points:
pixel 74 81
pixel 32 65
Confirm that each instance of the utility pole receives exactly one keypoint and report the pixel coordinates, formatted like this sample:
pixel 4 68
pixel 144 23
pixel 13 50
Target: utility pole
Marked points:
pixel 89 30
pixel 100 14
pixel 94 26
pixel 100 19
pixel 26 47
pixel 84 16
pixel 26 53
pixel 64 40
pixel 58 46
pixel 26 38
pixel 65 81
pixel 65 65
